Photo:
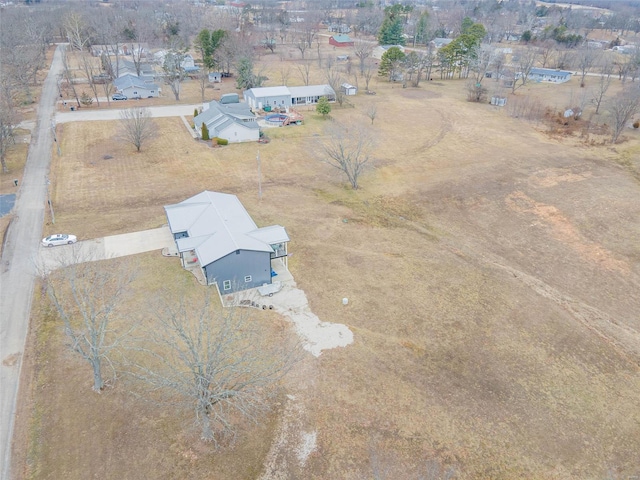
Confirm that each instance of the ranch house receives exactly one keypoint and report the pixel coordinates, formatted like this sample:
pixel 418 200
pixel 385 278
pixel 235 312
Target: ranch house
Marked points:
pixel 214 232
pixel 285 97
pixel 549 75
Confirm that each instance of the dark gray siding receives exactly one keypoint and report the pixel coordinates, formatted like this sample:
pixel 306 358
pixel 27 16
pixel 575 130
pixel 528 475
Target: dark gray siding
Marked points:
pixel 236 266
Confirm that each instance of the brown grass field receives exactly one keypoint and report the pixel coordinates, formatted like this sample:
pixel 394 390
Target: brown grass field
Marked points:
pixel 492 269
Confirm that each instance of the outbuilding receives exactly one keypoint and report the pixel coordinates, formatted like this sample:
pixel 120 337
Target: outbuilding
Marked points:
pixel 348 89
pixel 341 41
pixel 214 232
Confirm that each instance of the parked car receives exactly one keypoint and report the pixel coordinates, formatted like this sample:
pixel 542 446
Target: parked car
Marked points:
pixel 118 96
pixel 59 239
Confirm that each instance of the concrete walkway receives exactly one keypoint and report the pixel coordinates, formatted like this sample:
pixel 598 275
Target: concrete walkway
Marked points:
pixel 104 248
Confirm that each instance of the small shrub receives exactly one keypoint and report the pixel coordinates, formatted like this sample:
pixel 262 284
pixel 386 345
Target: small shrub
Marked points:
pixel 195 112
pixel 636 124
pixel 85 99
pixel 222 141
pixel 205 132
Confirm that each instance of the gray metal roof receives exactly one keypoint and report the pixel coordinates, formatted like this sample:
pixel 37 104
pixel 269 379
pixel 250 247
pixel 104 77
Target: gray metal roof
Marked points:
pixel 219 115
pixel 312 91
pixel 129 80
pixel 548 71
pixel 217 225
pixel 260 92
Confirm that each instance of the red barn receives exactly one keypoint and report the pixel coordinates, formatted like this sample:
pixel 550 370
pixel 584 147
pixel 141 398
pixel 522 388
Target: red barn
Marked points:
pixel 341 41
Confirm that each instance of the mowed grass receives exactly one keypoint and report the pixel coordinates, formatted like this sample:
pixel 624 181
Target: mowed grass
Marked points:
pixel 492 276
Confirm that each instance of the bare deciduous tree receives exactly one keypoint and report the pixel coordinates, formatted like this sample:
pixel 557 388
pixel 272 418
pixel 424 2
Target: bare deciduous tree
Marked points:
pixel 87 297
pixel 174 74
pixel 526 61
pixel 90 72
pixel 305 71
pixel 220 364
pixel 285 73
pixel 301 44
pixel 585 58
pixel 622 108
pixel 348 149
pixel 604 82
pixel 8 120
pixel 362 50
pixel 335 80
pixel 371 111
pixel 69 76
pixel 137 126
pixel 77 31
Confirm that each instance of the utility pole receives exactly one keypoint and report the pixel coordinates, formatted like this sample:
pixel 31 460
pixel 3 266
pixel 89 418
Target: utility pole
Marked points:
pixel 53 217
pixel 55 138
pixel 259 177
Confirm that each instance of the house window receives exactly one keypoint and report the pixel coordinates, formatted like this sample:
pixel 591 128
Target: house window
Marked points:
pixel 135 93
pixel 247 279
pixel 237 252
pixel 226 285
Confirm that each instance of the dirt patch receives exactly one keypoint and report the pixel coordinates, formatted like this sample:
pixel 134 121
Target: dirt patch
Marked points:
pixel 11 360
pixel 564 231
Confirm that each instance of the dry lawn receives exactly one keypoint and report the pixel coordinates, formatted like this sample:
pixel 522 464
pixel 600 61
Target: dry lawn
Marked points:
pixel 492 273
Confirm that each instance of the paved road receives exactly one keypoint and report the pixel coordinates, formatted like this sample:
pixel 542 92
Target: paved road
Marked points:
pixel 114 114
pixel 18 267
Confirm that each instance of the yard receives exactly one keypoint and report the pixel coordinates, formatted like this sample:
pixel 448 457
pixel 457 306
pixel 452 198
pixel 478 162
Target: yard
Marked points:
pixel 492 273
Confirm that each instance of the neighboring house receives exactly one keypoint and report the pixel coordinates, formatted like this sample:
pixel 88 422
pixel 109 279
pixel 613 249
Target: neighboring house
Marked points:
pixel 234 122
pixel 187 62
pixel 214 231
pixel 135 87
pixel 549 75
pixel 128 67
pixel 215 77
pixel 341 41
pixel 381 49
pixel 348 89
pixel 339 28
pixel 285 97
pixel 625 49
pixel 440 42
pixel 98 50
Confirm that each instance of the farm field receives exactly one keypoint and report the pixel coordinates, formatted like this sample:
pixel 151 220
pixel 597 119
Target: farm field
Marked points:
pixel 492 271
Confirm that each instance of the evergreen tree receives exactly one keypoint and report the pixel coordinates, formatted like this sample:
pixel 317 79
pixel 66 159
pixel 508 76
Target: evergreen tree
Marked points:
pixel 323 107
pixel 391 62
pixel 205 131
pixel 246 78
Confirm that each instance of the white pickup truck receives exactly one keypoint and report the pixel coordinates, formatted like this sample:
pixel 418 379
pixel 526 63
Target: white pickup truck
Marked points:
pixel 268 289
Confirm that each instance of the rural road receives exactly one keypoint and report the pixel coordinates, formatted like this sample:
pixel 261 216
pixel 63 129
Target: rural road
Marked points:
pixel 17 271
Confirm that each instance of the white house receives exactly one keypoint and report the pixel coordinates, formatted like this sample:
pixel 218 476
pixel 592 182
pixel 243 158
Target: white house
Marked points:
pixel 215 77
pixel 549 75
pixel 233 121
pixel 285 97
pixel 381 49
